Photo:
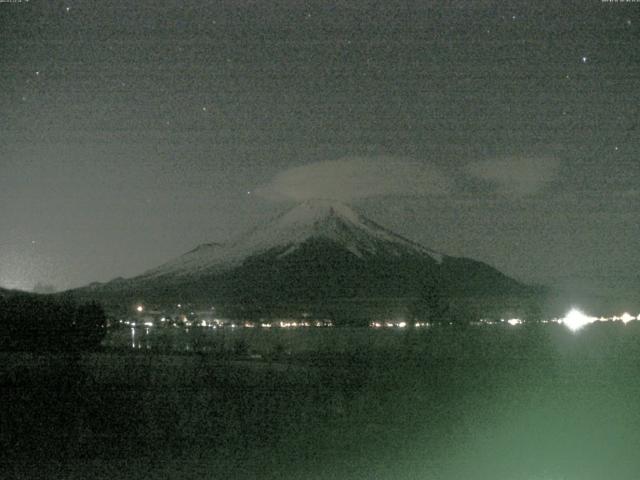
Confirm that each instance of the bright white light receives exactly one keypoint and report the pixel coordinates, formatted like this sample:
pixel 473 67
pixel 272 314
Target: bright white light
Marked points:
pixel 575 320
pixel 626 318
pixel 148 324
pixel 402 324
pixel 514 321
pixel 139 308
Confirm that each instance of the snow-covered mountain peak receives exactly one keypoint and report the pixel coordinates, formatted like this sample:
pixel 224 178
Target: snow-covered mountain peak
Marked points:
pixel 313 211
pixel 314 219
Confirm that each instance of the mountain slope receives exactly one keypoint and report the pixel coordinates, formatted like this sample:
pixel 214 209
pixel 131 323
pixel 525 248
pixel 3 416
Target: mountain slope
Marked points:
pixel 310 220
pixel 321 257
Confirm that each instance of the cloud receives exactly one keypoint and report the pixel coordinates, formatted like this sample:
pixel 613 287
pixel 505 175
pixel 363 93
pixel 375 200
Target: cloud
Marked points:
pixel 516 176
pixel 356 177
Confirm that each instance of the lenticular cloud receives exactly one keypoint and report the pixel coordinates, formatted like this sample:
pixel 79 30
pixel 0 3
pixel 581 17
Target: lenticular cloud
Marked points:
pixel 356 177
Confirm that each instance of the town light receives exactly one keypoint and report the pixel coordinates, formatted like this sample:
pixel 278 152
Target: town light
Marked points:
pixel 626 318
pixel 575 320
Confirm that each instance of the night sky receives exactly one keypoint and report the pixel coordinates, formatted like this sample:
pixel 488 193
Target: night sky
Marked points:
pixel 504 131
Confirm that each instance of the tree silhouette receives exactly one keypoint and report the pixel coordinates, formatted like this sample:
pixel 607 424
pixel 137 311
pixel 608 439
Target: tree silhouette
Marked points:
pixel 41 323
pixel 90 325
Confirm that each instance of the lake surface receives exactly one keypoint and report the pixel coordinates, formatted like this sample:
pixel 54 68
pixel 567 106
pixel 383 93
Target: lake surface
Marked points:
pixel 493 403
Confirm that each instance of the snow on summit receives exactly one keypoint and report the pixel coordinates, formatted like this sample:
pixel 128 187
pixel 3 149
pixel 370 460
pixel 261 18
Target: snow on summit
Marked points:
pixel 316 219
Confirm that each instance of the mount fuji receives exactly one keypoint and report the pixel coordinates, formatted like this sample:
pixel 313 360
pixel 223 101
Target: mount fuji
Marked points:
pixel 320 257
pixel 331 222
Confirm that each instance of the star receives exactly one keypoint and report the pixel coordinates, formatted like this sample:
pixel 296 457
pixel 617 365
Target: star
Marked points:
pixel 37 73
pixel 204 109
pixel 67 9
pixel 585 59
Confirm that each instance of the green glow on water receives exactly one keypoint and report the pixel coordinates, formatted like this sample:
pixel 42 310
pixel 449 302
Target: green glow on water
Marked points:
pixel 491 403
